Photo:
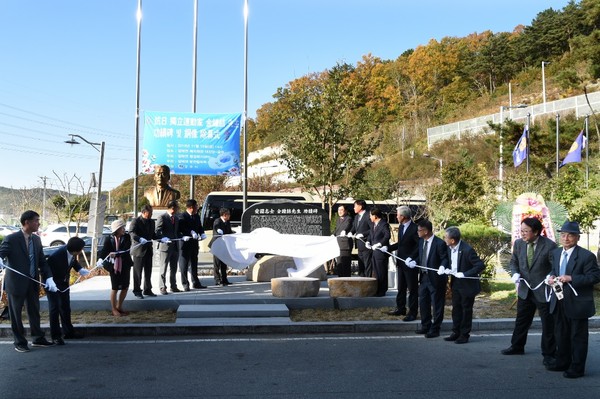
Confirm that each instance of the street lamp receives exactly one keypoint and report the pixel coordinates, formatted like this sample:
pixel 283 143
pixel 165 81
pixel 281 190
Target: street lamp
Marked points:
pixel 98 222
pixel 501 161
pixel 544 63
pixel 426 155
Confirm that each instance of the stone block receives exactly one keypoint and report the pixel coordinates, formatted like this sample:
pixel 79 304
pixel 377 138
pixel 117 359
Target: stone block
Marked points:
pixel 352 287
pixel 295 287
pixel 268 267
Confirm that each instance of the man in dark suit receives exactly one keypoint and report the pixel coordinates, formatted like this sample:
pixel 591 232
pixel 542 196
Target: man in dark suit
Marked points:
pixel 167 230
pixel 342 228
pixel 23 252
pixel 221 227
pixel 407 249
pixel 465 268
pixel 574 273
pixel 142 233
pixel 190 225
pixel 378 241
pixel 530 263
pixel 59 303
pixel 360 229
pixel 433 254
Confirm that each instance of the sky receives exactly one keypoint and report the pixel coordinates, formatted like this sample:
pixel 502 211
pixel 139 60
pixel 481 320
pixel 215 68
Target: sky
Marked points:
pixel 69 66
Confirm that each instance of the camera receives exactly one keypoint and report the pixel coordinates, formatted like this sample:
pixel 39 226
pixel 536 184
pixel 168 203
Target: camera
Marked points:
pixel 558 289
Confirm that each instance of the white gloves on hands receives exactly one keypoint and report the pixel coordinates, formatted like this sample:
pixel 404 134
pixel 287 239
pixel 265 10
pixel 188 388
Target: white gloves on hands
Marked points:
pixel 194 235
pixel 343 233
pixel 383 249
pixel 410 263
pixel 448 271
pixel 350 235
pixel 165 240
pixel 441 271
pixel 376 246
pixel 100 264
pixel 368 245
pixel 186 238
pixel 219 231
pixel 1 264
pixel 83 272
pixel 143 240
pixel 202 236
pixel 359 235
pixel 459 275
pixel 516 277
pixel 51 285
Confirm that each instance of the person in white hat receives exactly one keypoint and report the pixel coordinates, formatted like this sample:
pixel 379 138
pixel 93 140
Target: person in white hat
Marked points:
pixel 118 263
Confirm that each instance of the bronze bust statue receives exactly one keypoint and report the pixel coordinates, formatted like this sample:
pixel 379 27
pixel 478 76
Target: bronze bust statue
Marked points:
pixel 160 195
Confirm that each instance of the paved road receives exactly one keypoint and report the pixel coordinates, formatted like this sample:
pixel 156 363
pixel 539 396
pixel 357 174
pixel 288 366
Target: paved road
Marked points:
pixel 307 366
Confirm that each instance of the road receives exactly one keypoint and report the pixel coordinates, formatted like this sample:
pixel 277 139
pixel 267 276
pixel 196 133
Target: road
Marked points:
pixel 306 366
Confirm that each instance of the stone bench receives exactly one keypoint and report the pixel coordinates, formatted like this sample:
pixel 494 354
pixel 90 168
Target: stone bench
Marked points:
pixel 295 287
pixel 352 287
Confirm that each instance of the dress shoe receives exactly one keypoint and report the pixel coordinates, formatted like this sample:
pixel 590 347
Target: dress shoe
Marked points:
pixel 198 286
pixel 451 337
pixel 186 289
pixel 226 282
pixel 462 340
pixel 409 318
pixel 397 312
pixel 554 367
pixel 549 361
pixel 572 374
pixel 58 341
pixel 175 289
pixel 511 350
pixel 432 334
pixel 149 293
pixel 22 348
pixel 42 343
pixel 422 331
pixel 74 335
pixel 163 291
pixel 139 295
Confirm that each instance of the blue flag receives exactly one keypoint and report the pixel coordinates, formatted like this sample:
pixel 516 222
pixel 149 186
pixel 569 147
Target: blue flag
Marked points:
pixel 574 154
pixel 520 151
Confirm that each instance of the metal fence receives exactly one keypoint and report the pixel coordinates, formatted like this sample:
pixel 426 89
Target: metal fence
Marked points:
pixel 577 105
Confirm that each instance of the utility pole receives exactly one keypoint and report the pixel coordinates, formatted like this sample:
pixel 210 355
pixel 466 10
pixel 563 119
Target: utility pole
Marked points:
pixel 44 178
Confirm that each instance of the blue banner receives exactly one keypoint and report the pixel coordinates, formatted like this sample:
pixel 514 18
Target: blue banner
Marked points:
pixel 192 144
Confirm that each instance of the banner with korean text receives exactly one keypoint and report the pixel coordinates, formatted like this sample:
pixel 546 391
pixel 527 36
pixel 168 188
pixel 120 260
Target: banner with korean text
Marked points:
pixel 192 144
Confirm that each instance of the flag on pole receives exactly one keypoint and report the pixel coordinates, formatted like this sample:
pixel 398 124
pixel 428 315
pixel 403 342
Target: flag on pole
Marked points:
pixel 520 151
pixel 574 154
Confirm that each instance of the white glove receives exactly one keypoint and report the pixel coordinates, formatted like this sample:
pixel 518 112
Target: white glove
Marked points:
pixel 412 264
pixel 376 246
pixel 143 240
pixel 194 235
pixel 219 231
pixel 516 277
pixel 83 272
pixel 51 285
pixel 459 275
pixel 350 235
pixel 100 264
pixel 186 238
pixel 343 233
pixel 1 264
pixel 165 240
pixel 359 235
pixel 202 236
pixel 448 271
pixel 383 249
pixel 549 280
pixel 441 271
pixel 407 261
pixel 368 245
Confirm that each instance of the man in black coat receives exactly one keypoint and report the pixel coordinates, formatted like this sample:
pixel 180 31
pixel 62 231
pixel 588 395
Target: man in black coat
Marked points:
pixel 221 227
pixel 167 230
pixel 342 228
pixel 360 229
pixel 530 263
pixel 190 225
pixel 574 273
pixel 142 232
pixel 465 268
pixel 407 250
pixel 59 303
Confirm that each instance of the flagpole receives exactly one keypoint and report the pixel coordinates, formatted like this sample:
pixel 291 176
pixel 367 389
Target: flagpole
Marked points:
pixel 557 143
pixel 245 114
pixel 194 74
pixel 527 141
pixel 587 152
pixel 137 109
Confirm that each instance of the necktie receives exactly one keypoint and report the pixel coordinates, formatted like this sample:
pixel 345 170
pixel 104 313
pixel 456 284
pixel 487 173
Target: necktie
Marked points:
pixel 563 264
pixel 530 254
pixel 117 258
pixel 424 255
pixel 172 219
pixel 31 257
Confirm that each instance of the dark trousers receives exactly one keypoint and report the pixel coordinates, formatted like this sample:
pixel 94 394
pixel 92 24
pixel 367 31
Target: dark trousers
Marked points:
pixel 364 263
pixel 15 308
pixel 142 263
pixel 380 272
pixel 408 280
pixel 525 312
pixel 188 262
pixel 462 313
pixel 168 259
pixel 572 337
pixel 430 295
pixel 343 266
pixel 220 271
pixel 59 309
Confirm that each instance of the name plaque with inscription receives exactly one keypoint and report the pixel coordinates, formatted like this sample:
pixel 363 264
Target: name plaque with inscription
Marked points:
pixel 286 217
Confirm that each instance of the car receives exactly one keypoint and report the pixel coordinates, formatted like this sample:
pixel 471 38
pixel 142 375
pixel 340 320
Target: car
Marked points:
pixel 85 258
pixel 58 234
pixel 6 230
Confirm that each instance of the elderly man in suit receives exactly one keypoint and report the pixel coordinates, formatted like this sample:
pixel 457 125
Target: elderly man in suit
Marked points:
pixel 433 254
pixel 465 269
pixel 530 263
pixel 167 230
pixel 360 229
pixel 574 273
pixel 142 232
pixel 342 228
pixel 407 250
pixel 23 252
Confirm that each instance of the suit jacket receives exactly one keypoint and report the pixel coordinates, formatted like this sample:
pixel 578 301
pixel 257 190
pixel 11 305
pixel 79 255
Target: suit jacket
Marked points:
pixel 166 228
pixel 379 234
pixel 187 224
pixel 14 250
pixel 408 245
pixel 437 256
pixel 584 271
pixel 224 226
pixel 124 244
pixel 61 268
pixel 362 226
pixel 540 268
pixel 144 228
pixel 470 265
pixel 345 244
